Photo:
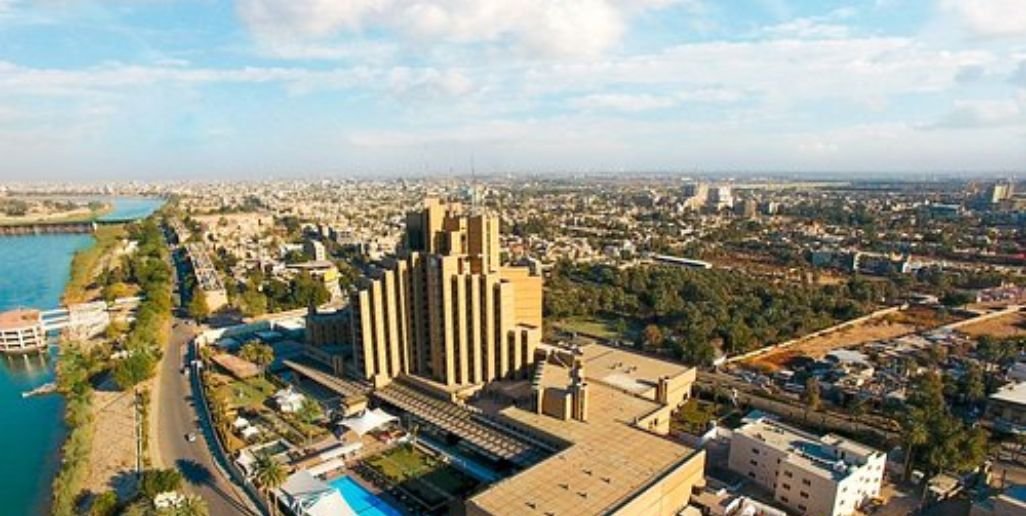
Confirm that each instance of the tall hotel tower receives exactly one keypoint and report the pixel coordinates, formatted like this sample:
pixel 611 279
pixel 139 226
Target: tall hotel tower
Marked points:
pixel 445 309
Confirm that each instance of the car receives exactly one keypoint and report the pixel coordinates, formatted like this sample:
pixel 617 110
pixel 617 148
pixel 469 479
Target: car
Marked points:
pixel 191 437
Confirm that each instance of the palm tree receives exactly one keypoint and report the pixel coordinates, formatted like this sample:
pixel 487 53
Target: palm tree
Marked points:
pixel 192 505
pixel 914 433
pixel 268 474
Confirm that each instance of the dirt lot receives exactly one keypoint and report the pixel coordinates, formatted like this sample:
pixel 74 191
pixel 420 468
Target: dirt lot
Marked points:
pixel 888 327
pixel 1011 325
pixel 113 457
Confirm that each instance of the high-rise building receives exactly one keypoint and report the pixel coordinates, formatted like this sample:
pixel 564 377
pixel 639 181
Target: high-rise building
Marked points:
pixel 445 309
pixel 720 197
pixel 1000 191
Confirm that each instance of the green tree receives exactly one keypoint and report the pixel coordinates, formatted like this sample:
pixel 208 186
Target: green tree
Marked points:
pixel 198 307
pixel 105 504
pixel 653 336
pixel 812 395
pixel 156 481
pixel 268 475
pixel 257 352
pixel 309 411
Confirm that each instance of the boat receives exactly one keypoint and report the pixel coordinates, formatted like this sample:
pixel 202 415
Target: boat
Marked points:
pixel 46 388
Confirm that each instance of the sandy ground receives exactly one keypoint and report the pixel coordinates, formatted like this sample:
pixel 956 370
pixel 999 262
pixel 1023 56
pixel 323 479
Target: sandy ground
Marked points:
pixel 913 320
pixel 112 461
pixel 818 347
pixel 1011 325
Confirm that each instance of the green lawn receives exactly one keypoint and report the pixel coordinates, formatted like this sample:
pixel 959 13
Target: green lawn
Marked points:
pixel 411 468
pixel 250 393
pixel 599 327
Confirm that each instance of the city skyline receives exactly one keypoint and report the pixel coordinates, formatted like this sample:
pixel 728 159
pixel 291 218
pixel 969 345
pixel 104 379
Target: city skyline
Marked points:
pixel 262 88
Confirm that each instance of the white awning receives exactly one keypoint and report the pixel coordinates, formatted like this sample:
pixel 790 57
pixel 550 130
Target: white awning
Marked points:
pixel 308 496
pixel 368 421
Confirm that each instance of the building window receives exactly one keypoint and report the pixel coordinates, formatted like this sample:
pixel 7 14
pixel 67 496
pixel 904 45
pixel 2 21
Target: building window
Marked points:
pixel 802 508
pixel 788 474
pixel 751 474
pixel 754 462
pixel 804 494
pixel 755 451
pixel 783 499
pixel 787 486
pixel 806 481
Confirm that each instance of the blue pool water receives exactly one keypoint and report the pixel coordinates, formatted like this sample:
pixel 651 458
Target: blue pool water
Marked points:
pixel 361 500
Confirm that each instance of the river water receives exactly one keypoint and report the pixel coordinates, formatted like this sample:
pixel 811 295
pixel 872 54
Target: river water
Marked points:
pixel 33 272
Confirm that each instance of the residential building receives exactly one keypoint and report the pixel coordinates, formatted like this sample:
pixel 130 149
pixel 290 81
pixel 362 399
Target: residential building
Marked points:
pixel 446 310
pixel 1006 408
pixel 827 475
pixel 314 250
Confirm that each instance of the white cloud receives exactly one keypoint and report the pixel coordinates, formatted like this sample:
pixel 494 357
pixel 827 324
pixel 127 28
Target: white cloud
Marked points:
pixel 991 18
pixel 623 102
pixel 972 114
pixel 545 27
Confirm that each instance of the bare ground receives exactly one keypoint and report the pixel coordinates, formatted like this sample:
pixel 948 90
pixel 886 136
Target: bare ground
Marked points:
pixel 112 460
pixel 1011 325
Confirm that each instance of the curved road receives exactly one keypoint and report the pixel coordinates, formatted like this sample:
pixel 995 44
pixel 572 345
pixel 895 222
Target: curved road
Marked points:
pixel 176 416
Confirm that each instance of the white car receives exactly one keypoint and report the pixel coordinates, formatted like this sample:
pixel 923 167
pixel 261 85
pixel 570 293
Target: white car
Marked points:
pixel 191 437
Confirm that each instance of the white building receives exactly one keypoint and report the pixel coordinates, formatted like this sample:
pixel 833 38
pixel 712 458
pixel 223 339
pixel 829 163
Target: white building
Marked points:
pixel 827 475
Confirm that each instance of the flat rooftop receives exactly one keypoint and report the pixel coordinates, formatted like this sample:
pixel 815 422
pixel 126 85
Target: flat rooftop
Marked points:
pixel 609 460
pixel 1011 393
pixel 807 451
pixel 627 370
pixel 20 318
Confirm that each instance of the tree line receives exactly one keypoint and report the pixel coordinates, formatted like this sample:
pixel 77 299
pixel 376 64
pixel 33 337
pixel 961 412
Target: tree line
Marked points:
pixel 695 309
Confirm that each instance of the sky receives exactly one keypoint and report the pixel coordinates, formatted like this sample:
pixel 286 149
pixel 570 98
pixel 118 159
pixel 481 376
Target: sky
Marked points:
pixel 161 89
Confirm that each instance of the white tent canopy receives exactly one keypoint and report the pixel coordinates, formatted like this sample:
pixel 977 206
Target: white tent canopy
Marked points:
pixel 368 421
pixel 308 496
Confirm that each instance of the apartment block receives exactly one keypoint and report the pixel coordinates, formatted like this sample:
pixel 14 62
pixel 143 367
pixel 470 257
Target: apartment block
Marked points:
pixel 827 475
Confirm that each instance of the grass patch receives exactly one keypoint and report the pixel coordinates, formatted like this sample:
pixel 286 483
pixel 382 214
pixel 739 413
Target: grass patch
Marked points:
pixel 250 393
pixel 694 416
pixel 604 328
pixel 421 474
pixel 83 265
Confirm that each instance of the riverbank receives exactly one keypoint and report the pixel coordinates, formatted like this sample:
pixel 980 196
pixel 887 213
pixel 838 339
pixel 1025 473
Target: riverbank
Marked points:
pixel 102 454
pixel 84 264
pixel 78 215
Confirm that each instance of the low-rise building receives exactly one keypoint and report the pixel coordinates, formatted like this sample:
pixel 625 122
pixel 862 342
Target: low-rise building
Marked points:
pixel 1006 408
pixel 827 475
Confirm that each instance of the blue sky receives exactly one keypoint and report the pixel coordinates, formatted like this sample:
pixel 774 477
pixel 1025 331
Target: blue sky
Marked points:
pixel 150 89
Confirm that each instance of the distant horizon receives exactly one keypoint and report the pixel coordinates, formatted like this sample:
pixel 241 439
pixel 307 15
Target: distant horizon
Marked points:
pixel 711 175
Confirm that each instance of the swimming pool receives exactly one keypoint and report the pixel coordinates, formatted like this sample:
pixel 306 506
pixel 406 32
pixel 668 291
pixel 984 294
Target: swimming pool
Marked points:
pixel 361 500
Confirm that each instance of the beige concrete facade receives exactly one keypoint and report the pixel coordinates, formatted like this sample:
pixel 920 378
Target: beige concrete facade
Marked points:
pixel 446 310
pixel 618 460
pixel 826 475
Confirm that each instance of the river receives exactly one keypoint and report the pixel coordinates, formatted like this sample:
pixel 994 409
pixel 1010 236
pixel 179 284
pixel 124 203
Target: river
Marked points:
pixel 33 272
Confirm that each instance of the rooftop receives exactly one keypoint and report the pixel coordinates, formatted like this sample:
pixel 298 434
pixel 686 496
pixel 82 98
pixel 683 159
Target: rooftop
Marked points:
pixel 1011 393
pixel 610 459
pixel 811 453
pixel 19 318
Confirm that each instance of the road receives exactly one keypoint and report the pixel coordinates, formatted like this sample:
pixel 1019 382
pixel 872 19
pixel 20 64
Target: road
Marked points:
pixel 176 416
